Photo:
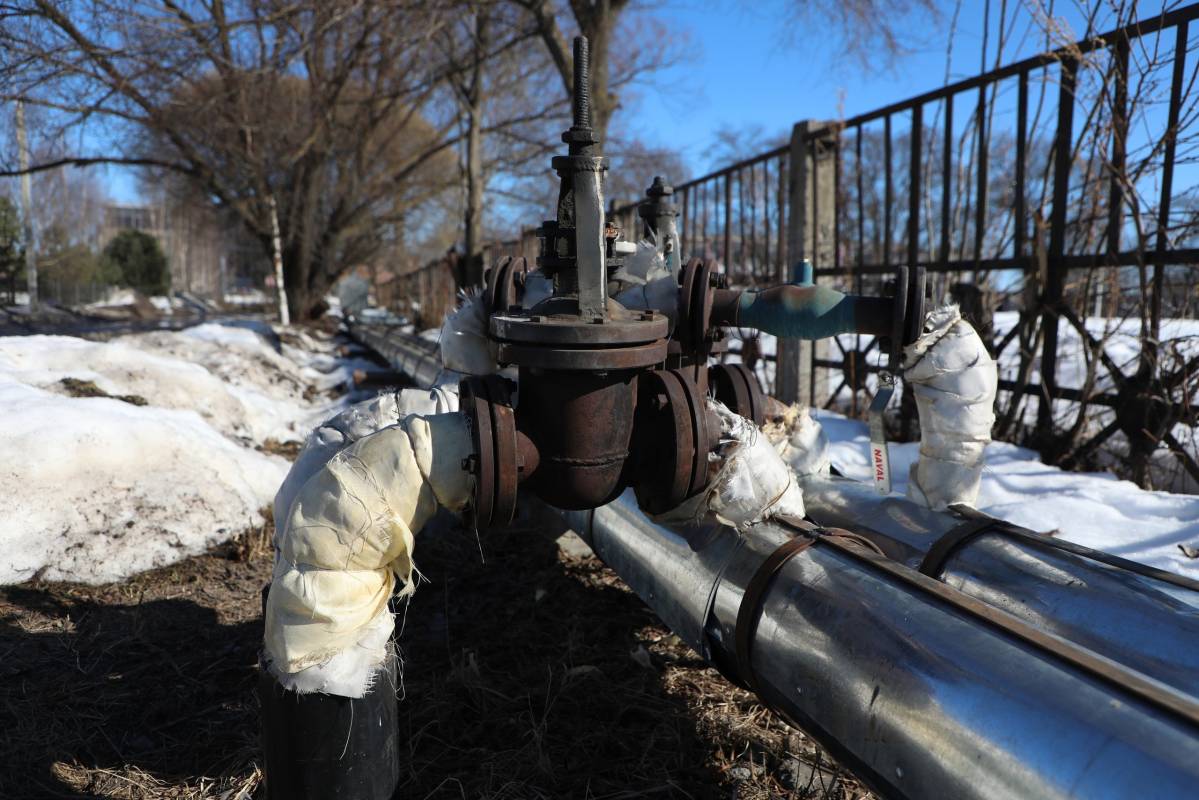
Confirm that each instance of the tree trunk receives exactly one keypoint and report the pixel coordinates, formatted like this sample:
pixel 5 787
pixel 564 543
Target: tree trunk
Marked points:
pixel 472 270
pixel 306 283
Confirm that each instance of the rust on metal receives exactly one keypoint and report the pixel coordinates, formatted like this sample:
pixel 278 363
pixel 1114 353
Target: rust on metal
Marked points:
pixel 737 387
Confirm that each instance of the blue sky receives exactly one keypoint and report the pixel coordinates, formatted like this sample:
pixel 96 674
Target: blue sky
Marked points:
pixel 748 66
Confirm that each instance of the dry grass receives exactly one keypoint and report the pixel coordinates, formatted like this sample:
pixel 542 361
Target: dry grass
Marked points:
pixel 141 689
pixel 532 674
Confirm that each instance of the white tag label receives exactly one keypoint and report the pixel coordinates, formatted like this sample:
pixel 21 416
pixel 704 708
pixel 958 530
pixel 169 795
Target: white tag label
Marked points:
pixel 880 460
pixel 881 463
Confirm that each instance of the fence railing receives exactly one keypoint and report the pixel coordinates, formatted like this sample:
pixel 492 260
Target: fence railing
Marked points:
pixel 1052 184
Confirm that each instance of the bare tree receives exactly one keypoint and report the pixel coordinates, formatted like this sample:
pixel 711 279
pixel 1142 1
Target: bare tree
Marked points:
pixel 624 46
pixel 869 30
pixel 502 85
pixel 329 109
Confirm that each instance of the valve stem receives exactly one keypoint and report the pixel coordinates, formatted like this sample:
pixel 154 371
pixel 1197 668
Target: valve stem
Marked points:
pixel 582 76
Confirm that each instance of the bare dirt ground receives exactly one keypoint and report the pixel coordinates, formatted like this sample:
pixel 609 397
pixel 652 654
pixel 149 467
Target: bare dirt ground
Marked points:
pixel 529 672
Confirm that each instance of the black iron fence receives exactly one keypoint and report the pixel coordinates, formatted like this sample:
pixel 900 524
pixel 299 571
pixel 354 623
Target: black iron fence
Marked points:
pixel 737 214
pixel 1063 187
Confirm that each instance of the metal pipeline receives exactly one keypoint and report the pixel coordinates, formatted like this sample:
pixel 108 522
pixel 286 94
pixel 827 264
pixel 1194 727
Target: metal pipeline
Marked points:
pixel 1144 618
pixel 922 691
pixel 411 355
pixel 913 683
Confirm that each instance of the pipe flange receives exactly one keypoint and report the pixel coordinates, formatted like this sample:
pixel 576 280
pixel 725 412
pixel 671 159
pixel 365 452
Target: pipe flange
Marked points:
pixel 555 323
pixel 676 437
pixel 486 401
pixel 503 282
pixel 695 303
pixel 737 387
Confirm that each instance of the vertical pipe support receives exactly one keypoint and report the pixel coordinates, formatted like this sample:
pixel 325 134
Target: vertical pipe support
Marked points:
pixel 810 222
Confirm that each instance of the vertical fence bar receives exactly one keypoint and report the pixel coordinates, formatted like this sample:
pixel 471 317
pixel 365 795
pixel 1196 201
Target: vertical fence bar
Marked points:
pixel 946 180
pixel 766 216
pixel 1163 225
pixel 728 218
pixel 861 213
pixel 741 217
pixel 1020 223
pixel 782 201
pixel 1119 138
pixel 684 239
pixel 980 211
pixel 837 200
pixel 887 191
pixel 753 219
pixel 1056 278
pixel 915 184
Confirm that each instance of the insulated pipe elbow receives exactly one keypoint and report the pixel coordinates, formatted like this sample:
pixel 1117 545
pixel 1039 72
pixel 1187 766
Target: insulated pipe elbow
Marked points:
pixel 807 312
pixel 349 533
pixel 955 381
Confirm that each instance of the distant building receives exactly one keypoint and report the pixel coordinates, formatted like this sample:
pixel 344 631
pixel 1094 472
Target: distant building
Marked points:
pixel 208 253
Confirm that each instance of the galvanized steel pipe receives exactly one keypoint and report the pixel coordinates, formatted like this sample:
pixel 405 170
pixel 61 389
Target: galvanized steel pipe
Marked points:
pixel 897 677
pixel 411 355
pixel 1137 616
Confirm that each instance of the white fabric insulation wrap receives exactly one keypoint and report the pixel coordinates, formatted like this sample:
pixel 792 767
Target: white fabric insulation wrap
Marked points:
pixel 799 440
pixel 748 481
pixel 954 380
pixel 347 519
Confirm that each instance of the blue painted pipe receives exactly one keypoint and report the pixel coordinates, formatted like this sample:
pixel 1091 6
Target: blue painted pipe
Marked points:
pixel 812 312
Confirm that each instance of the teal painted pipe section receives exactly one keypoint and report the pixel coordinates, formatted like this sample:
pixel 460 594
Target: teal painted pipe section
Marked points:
pixel 812 312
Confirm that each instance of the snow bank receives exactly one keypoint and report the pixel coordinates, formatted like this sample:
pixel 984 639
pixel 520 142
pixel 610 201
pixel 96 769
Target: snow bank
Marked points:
pixel 258 393
pixel 99 488
pixel 1093 509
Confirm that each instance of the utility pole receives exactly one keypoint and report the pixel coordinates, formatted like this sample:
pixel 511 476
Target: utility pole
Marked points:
pixel 277 255
pixel 26 208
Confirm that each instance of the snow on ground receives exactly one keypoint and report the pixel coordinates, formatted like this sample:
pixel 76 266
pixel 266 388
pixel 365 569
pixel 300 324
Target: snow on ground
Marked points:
pixel 98 488
pixel 1121 341
pixel 1092 509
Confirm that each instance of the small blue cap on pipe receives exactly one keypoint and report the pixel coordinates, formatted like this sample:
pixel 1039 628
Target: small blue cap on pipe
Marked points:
pixel 802 273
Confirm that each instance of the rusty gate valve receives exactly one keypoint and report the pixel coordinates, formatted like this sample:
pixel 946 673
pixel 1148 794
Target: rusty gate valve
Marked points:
pixel 738 388
pixel 657 206
pixel 908 306
pixel 486 400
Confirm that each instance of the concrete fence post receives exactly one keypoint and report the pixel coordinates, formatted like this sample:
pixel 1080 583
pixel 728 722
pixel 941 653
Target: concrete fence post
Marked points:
pixel 811 224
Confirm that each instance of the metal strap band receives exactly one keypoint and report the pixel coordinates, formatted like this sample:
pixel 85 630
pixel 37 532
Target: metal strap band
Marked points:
pixel 1129 680
pixel 751 602
pixel 934 560
pixel 939 554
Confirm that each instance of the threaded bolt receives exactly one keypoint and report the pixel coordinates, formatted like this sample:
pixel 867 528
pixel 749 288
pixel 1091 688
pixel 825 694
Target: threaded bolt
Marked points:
pixel 582 98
